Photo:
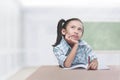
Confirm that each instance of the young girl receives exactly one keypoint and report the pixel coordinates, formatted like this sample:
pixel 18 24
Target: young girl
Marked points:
pixel 69 48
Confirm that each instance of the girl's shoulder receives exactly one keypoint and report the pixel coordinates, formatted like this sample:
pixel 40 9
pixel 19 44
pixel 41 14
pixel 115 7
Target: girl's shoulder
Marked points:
pixel 84 43
pixel 63 45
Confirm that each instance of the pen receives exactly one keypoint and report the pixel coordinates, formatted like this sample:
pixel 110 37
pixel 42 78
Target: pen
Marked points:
pixel 88 63
pixel 88 59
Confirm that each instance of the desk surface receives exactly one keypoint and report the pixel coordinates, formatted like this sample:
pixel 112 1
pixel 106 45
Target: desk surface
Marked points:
pixel 57 73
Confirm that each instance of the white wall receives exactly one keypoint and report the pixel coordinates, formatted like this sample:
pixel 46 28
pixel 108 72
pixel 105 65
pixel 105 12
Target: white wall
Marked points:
pixel 11 58
pixel 71 3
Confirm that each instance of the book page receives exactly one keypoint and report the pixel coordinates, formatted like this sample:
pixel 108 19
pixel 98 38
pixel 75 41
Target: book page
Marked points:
pixel 79 66
pixel 103 67
pixel 83 66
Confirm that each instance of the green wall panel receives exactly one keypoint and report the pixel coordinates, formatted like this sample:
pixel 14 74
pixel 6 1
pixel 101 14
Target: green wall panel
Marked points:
pixel 102 35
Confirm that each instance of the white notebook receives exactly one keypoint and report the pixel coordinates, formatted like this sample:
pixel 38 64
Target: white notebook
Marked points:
pixel 83 66
pixel 103 67
pixel 79 66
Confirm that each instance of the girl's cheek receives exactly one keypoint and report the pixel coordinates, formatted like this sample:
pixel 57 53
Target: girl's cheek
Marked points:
pixel 80 35
pixel 69 33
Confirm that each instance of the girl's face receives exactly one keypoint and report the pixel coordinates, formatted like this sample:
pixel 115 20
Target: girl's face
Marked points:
pixel 74 29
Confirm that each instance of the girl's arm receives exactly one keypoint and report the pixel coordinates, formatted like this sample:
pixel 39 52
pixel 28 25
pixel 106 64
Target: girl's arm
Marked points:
pixel 92 59
pixel 71 56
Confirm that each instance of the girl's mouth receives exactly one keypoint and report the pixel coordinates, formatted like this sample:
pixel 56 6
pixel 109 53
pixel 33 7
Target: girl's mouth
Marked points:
pixel 75 37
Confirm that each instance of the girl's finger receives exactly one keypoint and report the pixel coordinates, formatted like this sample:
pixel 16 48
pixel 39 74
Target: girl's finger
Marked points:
pixel 94 66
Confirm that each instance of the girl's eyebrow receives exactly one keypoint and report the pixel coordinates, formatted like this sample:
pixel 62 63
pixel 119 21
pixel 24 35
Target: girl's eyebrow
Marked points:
pixel 80 27
pixel 76 26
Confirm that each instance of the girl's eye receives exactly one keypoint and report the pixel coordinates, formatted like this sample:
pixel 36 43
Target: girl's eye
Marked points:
pixel 79 29
pixel 72 26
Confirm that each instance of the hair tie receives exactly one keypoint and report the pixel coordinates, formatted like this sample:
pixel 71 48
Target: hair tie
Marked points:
pixel 63 22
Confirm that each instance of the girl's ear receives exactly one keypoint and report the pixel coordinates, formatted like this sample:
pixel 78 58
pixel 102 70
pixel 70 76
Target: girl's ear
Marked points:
pixel 63 31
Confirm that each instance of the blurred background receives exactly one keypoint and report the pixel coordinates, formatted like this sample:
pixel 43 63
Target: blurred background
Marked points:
pixel 28 29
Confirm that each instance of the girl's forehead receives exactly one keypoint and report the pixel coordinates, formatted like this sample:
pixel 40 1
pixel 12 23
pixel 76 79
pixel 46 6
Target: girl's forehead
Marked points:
pixel 75 23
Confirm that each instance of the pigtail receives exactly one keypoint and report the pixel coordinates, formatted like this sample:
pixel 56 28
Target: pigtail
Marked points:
pixel 59 34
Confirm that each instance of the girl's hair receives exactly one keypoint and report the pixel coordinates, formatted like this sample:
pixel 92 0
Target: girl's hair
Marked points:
pixel 62 24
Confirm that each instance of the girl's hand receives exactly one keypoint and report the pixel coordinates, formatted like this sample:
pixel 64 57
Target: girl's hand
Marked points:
pixel 70 40
pixel 93 65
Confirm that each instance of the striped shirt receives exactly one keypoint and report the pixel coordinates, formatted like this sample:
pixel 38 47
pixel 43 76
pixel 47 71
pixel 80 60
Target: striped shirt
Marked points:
pixel 84 51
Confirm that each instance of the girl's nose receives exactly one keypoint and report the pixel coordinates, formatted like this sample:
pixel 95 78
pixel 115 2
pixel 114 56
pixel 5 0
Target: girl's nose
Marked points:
pixel 76 31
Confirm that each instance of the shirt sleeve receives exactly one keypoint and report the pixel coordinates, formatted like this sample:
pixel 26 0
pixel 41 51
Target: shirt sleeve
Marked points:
pixel 60 56
pixel 90 53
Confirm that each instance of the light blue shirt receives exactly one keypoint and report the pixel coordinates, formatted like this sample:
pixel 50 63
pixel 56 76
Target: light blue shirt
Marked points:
pixel 84 51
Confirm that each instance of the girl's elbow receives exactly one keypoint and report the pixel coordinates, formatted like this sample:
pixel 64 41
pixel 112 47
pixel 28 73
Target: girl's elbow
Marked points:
pixel 67 65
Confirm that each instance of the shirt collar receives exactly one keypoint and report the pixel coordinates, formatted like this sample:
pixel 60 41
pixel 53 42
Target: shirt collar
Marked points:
pixel 82 43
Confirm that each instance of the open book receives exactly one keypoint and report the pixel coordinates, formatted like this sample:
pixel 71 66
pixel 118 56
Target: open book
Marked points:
pixel 103 67
pixel 79 66
pixel 84 66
